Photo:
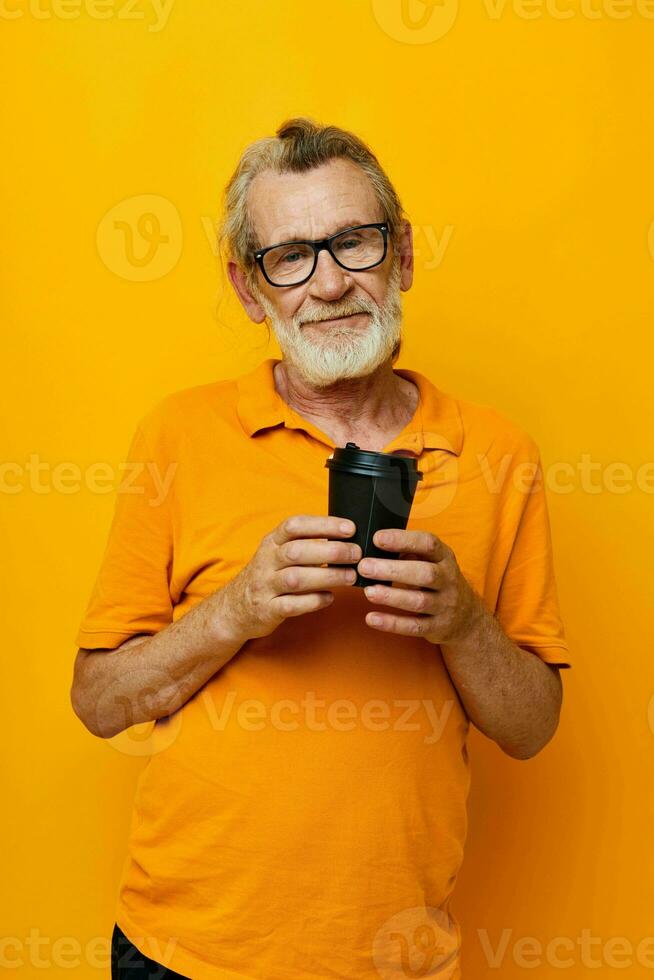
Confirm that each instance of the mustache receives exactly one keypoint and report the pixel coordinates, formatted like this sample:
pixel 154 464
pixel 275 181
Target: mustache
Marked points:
pixel 330 313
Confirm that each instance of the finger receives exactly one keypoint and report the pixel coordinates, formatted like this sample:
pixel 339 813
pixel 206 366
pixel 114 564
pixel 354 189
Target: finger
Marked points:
pixel 410 600
pixel 404 625
pixel 312 526
pixel 304 602
pixel 424 574
pixel 309 551
pixel 415 542
pixel 407 556
pixel 297 578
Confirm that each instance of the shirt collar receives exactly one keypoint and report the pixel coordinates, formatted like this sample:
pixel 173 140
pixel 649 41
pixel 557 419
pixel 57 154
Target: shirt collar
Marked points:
pixel 436 423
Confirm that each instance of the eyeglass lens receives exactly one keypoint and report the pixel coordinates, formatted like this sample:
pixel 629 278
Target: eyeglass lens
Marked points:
pixel 288 264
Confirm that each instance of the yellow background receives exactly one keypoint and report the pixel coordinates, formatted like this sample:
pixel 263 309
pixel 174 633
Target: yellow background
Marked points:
pixel 518 137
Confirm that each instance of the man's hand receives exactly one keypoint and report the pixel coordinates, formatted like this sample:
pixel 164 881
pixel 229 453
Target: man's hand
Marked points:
pixel 289 574
pixel 428 586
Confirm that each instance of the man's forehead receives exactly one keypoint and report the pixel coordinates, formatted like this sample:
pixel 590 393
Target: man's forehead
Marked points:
pixel 313 204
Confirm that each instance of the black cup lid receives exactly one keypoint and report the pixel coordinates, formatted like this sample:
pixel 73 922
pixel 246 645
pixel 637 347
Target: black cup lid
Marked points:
pixel 367 462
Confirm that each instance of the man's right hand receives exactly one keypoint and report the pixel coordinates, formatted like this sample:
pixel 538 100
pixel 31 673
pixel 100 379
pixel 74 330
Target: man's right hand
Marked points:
pixel 285 578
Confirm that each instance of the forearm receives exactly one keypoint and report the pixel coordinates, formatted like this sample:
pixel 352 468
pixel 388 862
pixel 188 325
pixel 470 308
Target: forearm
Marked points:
pixel 150 677
pixel 510 694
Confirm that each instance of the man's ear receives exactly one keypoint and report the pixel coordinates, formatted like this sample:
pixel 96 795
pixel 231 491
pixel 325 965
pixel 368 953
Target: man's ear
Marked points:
pixel 238 280
pixel 406 256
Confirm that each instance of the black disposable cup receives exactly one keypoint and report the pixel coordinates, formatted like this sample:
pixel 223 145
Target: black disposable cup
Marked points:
pixel 375 490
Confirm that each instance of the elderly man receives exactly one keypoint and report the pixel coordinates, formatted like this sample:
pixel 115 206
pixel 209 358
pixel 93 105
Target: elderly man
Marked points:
pixel 302 814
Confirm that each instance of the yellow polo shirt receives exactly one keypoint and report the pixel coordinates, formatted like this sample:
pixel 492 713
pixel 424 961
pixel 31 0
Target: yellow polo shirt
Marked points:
pixel 303 815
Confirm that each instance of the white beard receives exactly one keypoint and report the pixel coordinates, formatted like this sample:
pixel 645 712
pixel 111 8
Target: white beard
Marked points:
pixel 340 352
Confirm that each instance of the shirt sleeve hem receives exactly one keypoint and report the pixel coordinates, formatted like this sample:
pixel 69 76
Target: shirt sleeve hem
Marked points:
pixel 551 653
pixel 96 639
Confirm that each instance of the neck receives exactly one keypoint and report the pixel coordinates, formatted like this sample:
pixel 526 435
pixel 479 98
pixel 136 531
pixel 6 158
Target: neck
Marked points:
pixel 368 407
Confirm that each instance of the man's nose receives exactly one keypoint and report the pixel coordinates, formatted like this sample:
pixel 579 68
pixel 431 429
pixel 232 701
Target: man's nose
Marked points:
pixel 329 281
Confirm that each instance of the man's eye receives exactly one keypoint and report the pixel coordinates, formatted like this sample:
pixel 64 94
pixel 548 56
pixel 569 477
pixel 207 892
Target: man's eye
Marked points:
pixel 291 257
pixel 350 243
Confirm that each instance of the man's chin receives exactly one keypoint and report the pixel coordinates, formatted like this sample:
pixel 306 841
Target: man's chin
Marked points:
pixel 335 368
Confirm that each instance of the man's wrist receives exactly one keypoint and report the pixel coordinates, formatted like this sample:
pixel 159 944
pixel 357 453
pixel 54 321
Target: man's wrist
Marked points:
pixel 474 626
pixel 226 630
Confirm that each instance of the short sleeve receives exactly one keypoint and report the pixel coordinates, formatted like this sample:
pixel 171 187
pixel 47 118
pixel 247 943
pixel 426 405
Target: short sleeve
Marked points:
pixel 527 605
pixel 131 594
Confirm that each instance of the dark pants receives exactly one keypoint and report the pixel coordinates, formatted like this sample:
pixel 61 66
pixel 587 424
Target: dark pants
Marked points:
pixel 129 963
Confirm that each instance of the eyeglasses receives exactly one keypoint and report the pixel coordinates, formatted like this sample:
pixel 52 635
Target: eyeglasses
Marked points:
pixel 356 249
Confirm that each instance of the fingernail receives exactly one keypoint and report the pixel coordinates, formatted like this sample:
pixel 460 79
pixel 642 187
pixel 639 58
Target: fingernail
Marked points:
pixel 347 527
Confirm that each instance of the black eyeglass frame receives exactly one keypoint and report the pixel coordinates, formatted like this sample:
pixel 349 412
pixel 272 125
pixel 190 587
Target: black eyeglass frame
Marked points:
pixel 317 247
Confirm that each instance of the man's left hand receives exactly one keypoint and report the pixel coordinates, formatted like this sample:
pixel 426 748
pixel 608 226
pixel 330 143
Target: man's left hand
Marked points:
pixel 428 585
